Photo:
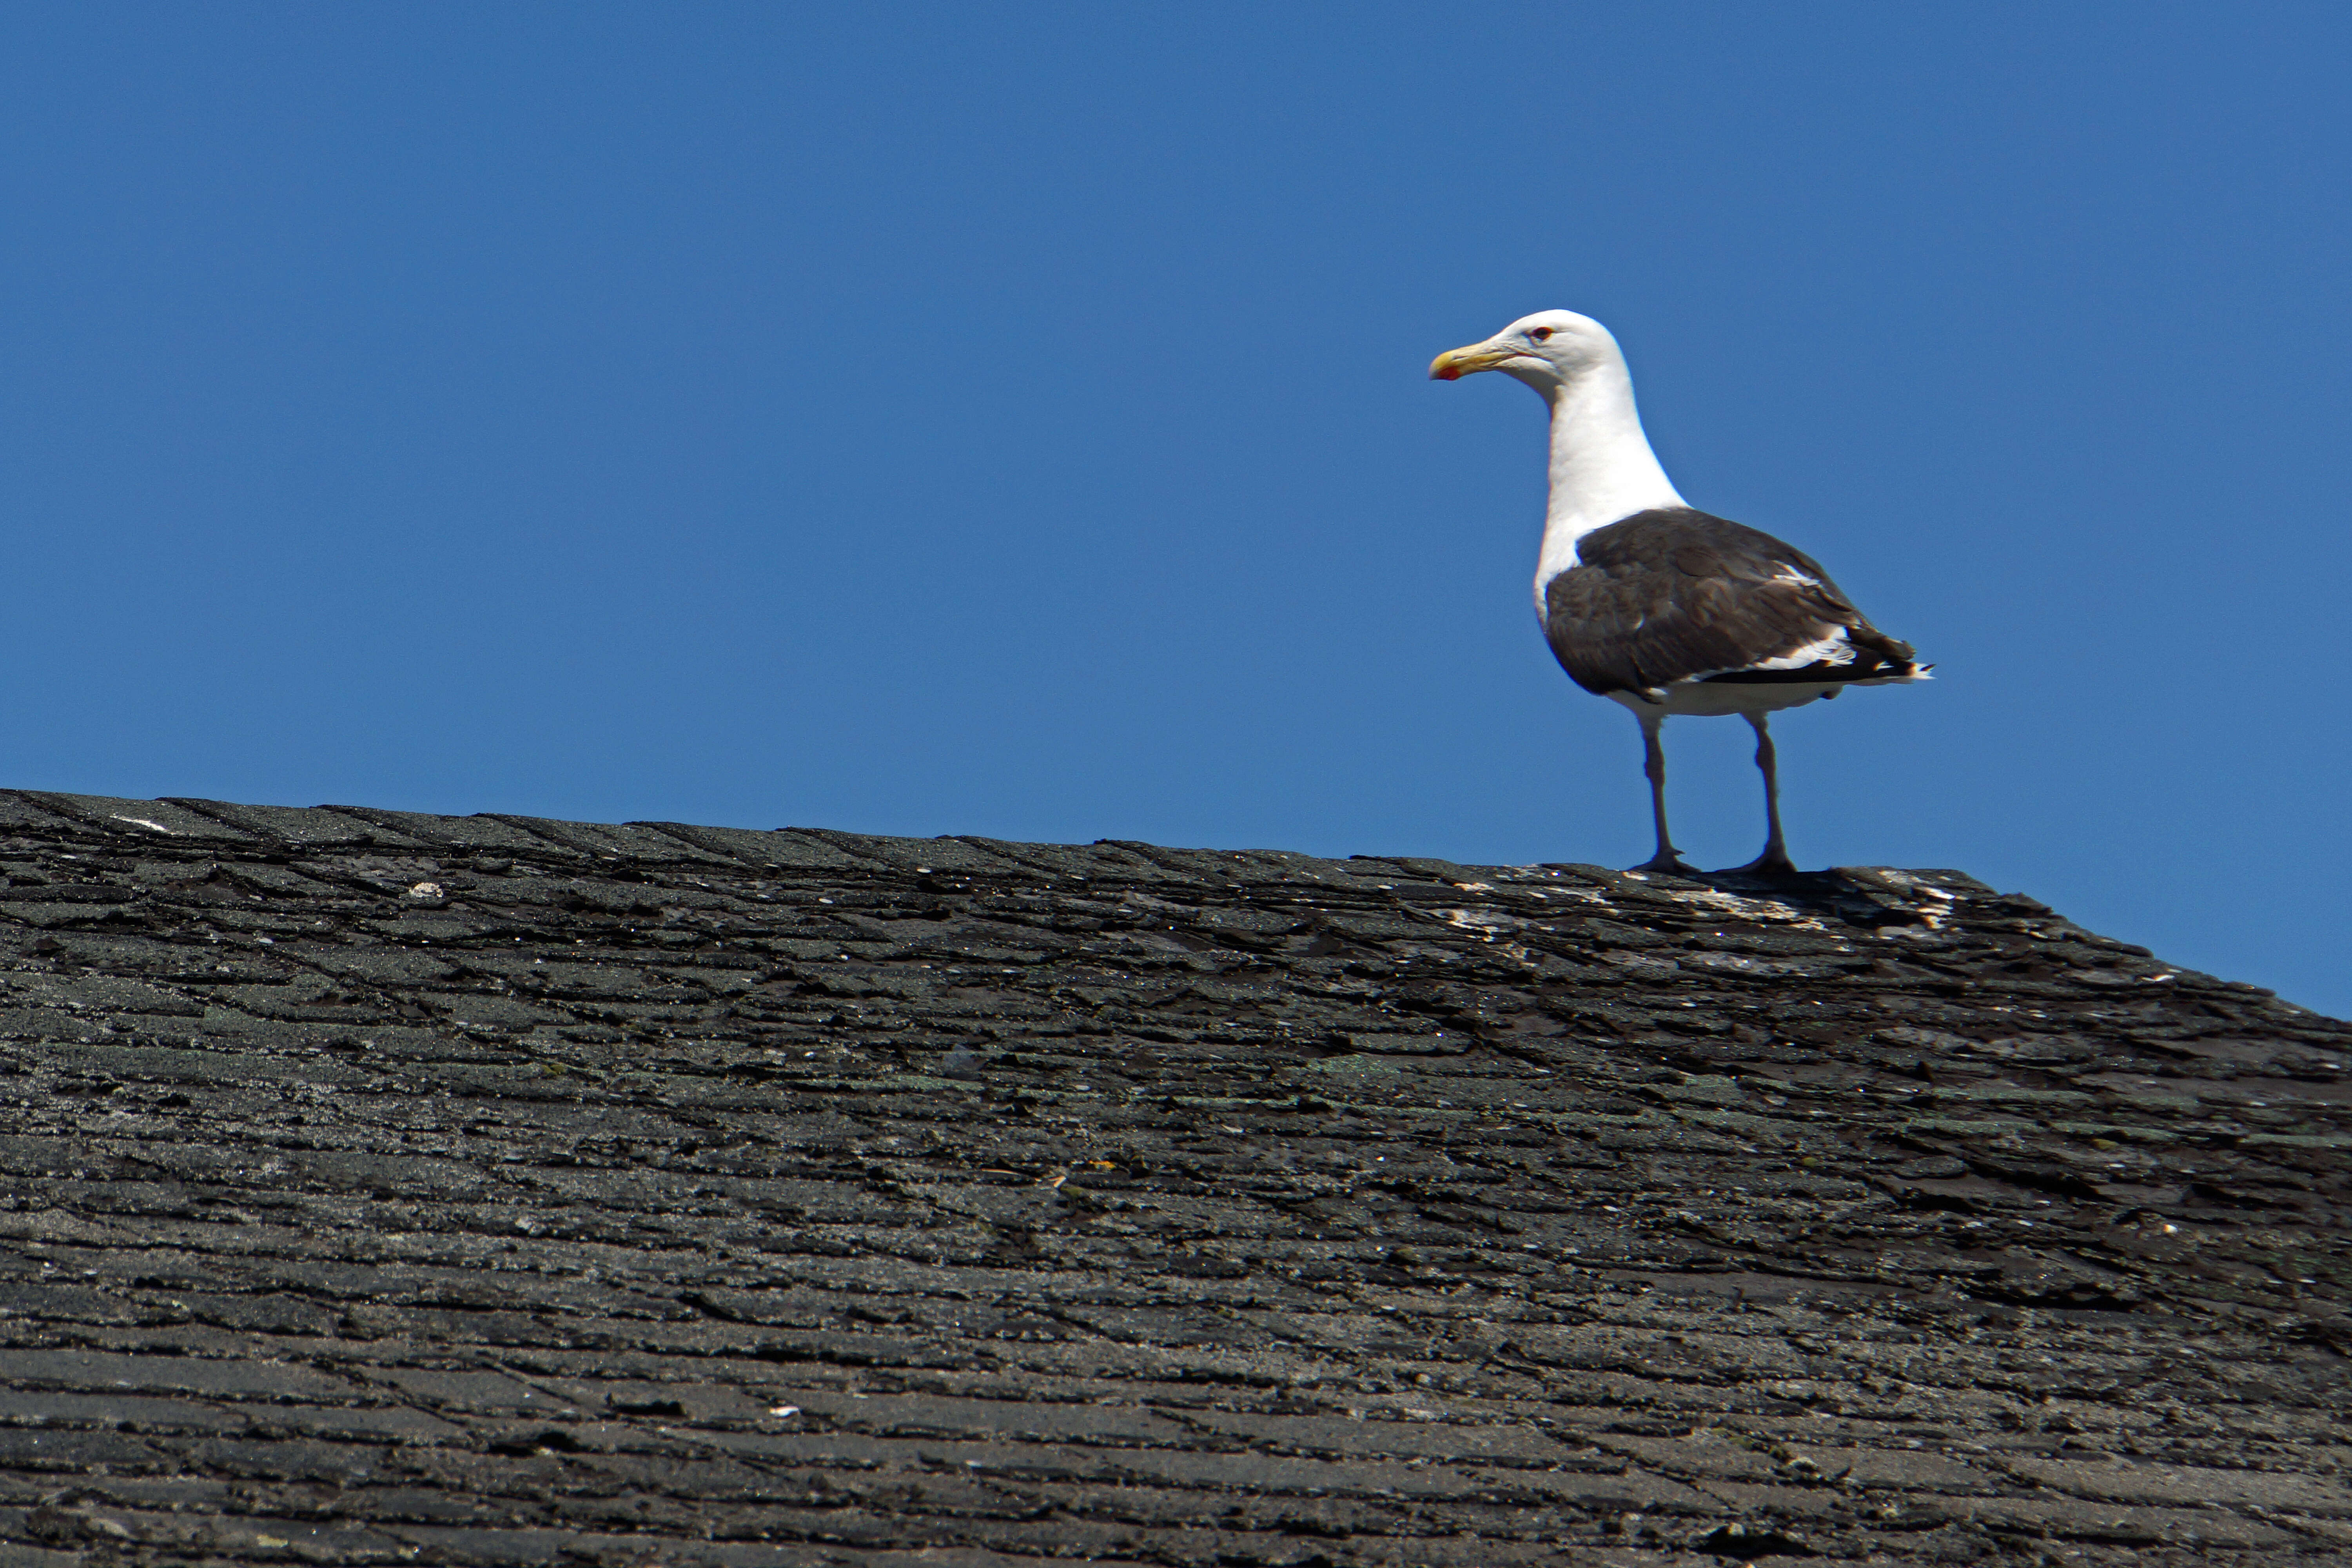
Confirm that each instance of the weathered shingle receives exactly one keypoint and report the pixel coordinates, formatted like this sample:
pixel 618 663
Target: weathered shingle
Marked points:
pixel 389 1187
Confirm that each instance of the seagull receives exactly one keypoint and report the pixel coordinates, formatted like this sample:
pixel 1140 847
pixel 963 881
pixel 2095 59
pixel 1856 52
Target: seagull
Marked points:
pixel 1657 606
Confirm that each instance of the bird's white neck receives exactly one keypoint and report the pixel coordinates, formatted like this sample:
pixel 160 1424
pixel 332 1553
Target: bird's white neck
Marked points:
pixel 1601 466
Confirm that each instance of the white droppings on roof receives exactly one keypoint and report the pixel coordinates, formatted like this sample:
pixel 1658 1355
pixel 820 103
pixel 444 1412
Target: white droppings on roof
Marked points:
pixel 1753 908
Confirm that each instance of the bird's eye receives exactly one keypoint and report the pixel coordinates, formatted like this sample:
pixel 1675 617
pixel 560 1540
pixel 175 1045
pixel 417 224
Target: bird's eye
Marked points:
pixel 1539 334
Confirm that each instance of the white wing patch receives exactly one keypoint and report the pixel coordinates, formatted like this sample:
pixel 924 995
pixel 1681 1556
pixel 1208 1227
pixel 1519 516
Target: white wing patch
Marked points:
pixel 1832 650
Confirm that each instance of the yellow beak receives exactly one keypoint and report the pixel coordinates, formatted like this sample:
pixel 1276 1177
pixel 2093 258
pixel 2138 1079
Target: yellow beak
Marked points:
pixel 1456 363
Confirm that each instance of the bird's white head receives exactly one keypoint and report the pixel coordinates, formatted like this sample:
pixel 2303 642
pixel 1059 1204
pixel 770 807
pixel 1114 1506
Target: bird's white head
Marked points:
pixel 1550 351
pixel 1601 466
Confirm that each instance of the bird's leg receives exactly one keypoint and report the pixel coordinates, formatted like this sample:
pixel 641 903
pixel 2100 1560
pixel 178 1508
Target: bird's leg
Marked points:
pixel 1776 850
pixel 1653 768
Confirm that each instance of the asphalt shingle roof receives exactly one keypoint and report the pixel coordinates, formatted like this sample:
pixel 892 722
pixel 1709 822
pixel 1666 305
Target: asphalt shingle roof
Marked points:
pixel 391 1188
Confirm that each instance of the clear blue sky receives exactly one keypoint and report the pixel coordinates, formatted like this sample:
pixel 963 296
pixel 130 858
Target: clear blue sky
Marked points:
pixel 1010 419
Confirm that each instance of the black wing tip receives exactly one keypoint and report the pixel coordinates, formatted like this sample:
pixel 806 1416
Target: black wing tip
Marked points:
pixel 1822 674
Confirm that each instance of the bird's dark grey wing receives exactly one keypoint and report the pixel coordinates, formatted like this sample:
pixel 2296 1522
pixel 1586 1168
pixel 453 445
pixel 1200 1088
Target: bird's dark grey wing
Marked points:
pixel 1676 594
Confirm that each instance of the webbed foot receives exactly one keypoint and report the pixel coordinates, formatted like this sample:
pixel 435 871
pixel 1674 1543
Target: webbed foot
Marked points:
pixel 1668 862
pixel 1772 862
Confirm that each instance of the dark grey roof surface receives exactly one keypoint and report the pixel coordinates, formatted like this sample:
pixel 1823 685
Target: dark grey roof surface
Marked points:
pixel 387 1188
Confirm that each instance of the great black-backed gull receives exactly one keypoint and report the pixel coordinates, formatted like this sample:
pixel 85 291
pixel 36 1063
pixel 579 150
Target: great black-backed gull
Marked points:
pixel 1651 602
